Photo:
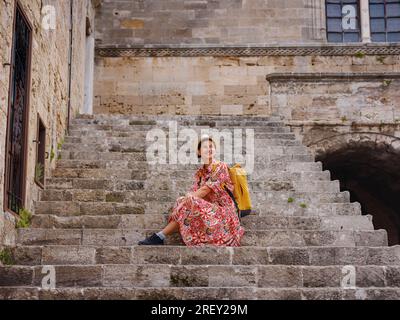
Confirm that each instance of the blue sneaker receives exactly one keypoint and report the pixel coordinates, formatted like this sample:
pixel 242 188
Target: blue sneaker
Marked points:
pixel 153 240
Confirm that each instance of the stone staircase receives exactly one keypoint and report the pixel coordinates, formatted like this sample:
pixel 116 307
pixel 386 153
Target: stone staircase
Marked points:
pixel 103 197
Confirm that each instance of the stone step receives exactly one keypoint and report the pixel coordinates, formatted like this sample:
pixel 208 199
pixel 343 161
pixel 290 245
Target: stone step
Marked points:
pixel 114 130
pixel 281 163
pixel 264 208
pixel 136 125
pixel 83 118
pixel 258 276
pixel 164 184
pixel 130 146
pixel 140 132
pixel 141 136
pixel 258 161
pixel 298 208
pixel 199 293
pixel 140 196
pixel 146 165
pixel 275 201
pixel 118 179
pixel 143 174
pixel 140 189
pixel 158 221
pixel 180 121
pixel 182 255
pixel 276 237
pixel 105 195
pixel 167 180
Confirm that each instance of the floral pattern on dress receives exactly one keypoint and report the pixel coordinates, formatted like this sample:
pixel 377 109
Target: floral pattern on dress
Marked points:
pixel 212 220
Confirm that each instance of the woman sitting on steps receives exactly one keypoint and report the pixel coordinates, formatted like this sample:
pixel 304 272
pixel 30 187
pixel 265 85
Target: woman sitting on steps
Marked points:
pixel 206 215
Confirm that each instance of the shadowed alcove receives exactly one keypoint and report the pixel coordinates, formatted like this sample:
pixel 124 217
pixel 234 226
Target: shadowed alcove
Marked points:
pixel 371 173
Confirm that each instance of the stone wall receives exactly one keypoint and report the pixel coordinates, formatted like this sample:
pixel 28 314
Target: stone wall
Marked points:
pixel 329 111
pixel 203 85
pixel 49 86
pixel 215 85
pixel 216 22
pixel 362 101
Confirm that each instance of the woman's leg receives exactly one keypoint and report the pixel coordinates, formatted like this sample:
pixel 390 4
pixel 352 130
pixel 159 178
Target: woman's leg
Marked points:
pixel 172 227
pixel 159 237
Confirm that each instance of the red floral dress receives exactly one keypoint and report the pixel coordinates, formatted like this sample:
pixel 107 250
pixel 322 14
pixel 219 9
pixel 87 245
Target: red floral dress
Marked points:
pixel 212 220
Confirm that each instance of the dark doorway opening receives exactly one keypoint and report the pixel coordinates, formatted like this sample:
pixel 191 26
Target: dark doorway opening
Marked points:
pixel 371 173
pixel 18 110
pixel 40 153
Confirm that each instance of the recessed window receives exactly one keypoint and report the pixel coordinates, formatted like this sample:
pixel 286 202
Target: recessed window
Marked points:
pixel 40 153
pixel 343 21
pixel 385 20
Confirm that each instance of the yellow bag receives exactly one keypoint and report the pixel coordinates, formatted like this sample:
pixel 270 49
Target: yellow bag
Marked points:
pixel 241 193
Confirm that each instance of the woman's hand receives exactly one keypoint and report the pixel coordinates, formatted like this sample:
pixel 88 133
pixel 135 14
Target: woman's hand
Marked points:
pixel 200 193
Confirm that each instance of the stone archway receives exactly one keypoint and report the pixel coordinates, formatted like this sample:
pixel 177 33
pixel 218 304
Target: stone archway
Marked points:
pixel 367 164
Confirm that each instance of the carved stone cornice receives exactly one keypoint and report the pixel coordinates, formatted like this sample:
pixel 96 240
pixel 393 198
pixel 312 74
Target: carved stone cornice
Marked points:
pixel 340 76
pixel 243 51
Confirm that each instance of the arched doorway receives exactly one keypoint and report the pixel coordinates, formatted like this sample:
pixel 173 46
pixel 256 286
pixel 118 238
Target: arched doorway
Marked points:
pixel 370 171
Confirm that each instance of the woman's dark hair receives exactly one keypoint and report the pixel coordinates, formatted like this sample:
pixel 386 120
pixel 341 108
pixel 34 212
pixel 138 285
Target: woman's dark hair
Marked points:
pixel 201 142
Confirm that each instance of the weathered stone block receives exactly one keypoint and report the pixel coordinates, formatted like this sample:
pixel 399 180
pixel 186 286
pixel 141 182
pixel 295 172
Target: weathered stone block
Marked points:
pixel 113 255
pixel 279 276
pixel 140 276
pixel 189 276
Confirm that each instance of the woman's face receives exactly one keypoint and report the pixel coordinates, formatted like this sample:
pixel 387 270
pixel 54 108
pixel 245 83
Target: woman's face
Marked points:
pixel 207 151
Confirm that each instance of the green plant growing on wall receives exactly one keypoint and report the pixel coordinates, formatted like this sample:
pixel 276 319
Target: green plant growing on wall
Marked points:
pixel 59 145
pixel 6 257
pixel 25 218
pixel 303 205
pixel 381 59
pixel 39 171
pixel 344 118
pixel 386 83
pixel 59 156
pixel 290 200
pixel 52 154
pixel 359 54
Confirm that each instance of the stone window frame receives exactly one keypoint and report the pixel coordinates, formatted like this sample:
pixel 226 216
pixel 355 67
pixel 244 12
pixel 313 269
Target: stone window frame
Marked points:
pixel 385 17
pixel 365 23
pixel 342 32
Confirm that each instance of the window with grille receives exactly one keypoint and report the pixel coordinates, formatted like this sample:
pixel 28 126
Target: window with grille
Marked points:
pixel 385 20
pixel 343 21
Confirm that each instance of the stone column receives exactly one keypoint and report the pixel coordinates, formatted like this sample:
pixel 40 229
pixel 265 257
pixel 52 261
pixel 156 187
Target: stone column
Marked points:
pixel 89 68
pixel 318 21
pixel 365 25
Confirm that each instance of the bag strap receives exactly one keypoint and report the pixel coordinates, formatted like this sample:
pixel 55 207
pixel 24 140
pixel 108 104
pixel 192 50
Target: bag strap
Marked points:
pixel 229 193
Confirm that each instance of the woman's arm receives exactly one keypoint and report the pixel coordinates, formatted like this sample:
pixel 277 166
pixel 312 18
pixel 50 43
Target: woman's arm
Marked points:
pixel 219 176
pixel 202 192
